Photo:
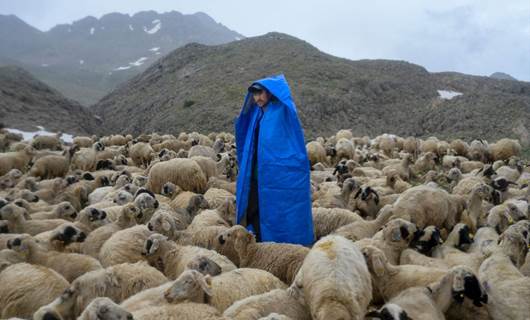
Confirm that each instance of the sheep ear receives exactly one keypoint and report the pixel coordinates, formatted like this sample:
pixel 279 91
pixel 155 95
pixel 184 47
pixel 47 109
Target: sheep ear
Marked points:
pixel 358 193
pixel 206 284
pixel 378 265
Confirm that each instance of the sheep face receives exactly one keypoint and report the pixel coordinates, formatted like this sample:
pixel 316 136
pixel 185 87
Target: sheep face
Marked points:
pixel 140 181
pixel 122 180
pixel 375 260
pixel 205 266
pixel 68 233
pixel 21 244
pixel 66 211
pixel 192 286
pixel 367 201
pixel 122 197
pixel 28 196
pixel 399 230
pixel 466 284
pixel 514 245
pixel 12 212
pixel 163 223
pixel 152 244
pixel 145 200
pixel 425 240
pixel 389 311
pixel 106 309
pixel 236 236
pixel 169 189
pixel 227 210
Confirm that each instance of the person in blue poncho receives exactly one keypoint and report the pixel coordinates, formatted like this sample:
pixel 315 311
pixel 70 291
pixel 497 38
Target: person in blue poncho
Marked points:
pixel 273 186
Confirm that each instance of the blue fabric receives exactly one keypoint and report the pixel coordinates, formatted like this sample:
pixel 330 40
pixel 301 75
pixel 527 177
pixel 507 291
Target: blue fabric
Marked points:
pixel 283 167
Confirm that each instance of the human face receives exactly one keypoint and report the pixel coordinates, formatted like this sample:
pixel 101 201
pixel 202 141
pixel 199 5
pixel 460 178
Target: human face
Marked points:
pixel 261 97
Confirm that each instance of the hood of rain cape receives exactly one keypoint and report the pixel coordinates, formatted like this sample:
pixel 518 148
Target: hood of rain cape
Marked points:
pixel 283 167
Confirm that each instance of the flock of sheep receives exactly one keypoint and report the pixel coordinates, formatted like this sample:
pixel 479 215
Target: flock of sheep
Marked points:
pixel 143 228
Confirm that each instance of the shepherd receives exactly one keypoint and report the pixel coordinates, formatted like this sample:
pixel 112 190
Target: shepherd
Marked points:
pixel 273 186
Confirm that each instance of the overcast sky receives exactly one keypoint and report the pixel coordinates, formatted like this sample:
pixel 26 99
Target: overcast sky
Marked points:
pixel 476 37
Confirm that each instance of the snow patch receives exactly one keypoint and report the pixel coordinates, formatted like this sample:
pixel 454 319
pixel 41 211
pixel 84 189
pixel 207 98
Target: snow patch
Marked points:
pixel 92 30
pixel 138 62
pixel 131 28
pixel 81 61
pixel 157 26
pixel 155 49
pixel 122 68
pixel 448 94
pixel 28 135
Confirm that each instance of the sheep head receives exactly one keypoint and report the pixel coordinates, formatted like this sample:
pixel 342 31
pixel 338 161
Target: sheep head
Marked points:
pixel 13 213
pixel 103 308
pixel 375 260
pixel 427 239
pixel 238 237
pixel 399 231
pixel 68 233
pixel 21 244
pixel 66 211
pixel 164 223
pixel 389 311
pixel 122 197
pixel 204 265
pixel 153 243
pixel 191 286
pixel 466 284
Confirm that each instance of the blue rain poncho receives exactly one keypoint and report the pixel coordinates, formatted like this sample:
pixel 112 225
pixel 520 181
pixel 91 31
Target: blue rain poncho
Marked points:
pixel 284 196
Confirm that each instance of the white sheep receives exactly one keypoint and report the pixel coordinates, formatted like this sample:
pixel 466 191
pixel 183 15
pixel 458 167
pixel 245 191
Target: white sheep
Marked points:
pixel 26 287
pixel 104 309
pixel 185 173
pixel 117 283
pixel 18 222
pixel 335 280
pixel 172 259
pixel 281 259
pixel 69 265
pixel 16 160
pixel 223 290
pixel 124 246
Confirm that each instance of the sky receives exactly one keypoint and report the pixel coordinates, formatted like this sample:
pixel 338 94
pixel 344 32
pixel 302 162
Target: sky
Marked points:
pixel 470 36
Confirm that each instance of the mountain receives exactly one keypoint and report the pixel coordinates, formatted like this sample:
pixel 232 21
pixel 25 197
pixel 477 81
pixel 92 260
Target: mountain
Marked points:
pixel 88 58
pixel 502 76
pixel 199 87
pixel 26 103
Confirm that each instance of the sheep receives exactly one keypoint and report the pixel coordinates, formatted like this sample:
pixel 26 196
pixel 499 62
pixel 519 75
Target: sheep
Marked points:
pixel 215 197
pixel 335 280
pixel 61 237
pixel 223 290
pixel 69 265
pixel 97 238
pixel 117 283
pixel 172 258
pixel 147 203
pixel 104 309
pixel 186 173
pixel 172 144
pixel 86 158
pixel 53 166
pixel 478 150
pixel 222 216
pixel 27 287
pixel 264 255
pixel 155 296
pixel 330 198
pixel 288 302
pixel 168 224
pixel 361 229
pixel 17 221
pixel 141 154
pixel 83 142
pixel 63 210
pixel 229 186
pixel 326 220
pixel 403 168
pixel 316 152
pixel 124 246
pixel 425 163
pixel 366 201
pixel 181 311
pixel 424 205
pixel 434 300
pixel 46 142
pixel 16 160
pixel 395 237
pixel 344 149
pixel 507 288
pixel 208 166
pixel 504 149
